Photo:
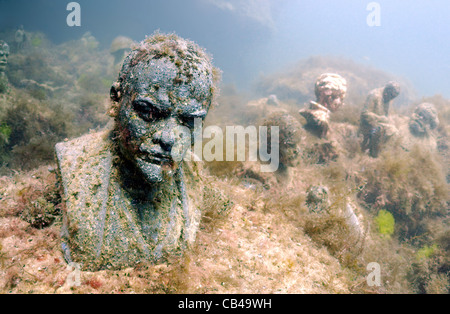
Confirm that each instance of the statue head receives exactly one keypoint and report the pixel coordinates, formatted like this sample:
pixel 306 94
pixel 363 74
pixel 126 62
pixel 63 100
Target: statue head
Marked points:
pixel 330 90
pixel 165 84
pixel 4 53
pixel 391 91
pixel 424 118
pixel 289 137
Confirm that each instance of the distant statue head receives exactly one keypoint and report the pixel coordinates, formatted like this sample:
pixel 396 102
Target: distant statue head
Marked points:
pixel 391 91
pixel 330 90
pixel 289 137
pixel 19 36
pixel 4 53
pixel 424 119
pixel 165 83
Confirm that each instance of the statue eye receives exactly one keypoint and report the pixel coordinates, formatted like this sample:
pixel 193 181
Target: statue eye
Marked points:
pixel 189 118
pixel 146 110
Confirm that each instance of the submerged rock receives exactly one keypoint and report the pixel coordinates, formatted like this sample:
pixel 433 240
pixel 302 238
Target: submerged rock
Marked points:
pixel 424 120
pixel 317 199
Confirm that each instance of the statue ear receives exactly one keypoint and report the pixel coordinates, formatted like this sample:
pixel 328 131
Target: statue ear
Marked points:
pixel 115 92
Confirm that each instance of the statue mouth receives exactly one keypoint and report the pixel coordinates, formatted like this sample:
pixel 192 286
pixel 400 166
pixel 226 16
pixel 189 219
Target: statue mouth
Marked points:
pixel 163 161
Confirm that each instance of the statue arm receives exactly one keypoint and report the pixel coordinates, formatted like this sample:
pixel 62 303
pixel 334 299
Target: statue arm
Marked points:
pixel 372 118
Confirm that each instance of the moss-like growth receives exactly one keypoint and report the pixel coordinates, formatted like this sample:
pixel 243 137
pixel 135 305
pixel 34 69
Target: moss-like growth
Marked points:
pixel 91 82
pixel 426 251
pixel 39 205
pixel 410 185
pixel 4 84
pixel 36 41
pixel 39 213
pixel 385 223
pixel 33 128
pixel 5 132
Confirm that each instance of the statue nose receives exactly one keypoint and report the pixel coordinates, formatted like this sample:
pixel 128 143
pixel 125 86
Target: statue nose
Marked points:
pixel 167 140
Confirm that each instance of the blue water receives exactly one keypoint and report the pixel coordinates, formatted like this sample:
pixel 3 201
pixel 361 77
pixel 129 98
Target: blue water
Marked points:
pixel 252 37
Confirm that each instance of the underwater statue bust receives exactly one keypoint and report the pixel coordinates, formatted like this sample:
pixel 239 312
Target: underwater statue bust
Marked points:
pixel 4 54
pixel 418 130
pixel 375 125
pixel 423 120
pixel 127 199
pixel 20 38
pixel 330 90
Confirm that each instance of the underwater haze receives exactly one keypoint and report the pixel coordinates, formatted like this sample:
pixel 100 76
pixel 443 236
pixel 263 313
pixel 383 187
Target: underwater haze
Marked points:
pixel 252 37
pixel 328 170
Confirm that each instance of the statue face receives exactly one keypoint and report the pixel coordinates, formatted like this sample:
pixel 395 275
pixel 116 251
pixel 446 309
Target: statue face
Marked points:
pixel 154 112
pixel 331 100
pixel 4 53
pixel 423 119
pixel 330 91
pixel 391 91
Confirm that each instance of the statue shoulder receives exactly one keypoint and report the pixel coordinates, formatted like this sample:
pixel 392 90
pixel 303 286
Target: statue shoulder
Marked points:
pixel 84 163
pixel 84 168
pixel 70 154
pixel 373 99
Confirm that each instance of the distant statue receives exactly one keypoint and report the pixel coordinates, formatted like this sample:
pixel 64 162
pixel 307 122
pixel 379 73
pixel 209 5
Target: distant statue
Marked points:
pixel 20 38
pixel 128 200
pixel 289 137
pixel 4 54
pixel 419 129
pixel 375 125
pixel 330 90
pixel 284 133
pixel 424 120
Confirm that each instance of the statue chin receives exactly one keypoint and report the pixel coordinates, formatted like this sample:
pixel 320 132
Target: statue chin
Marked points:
pixel 417 129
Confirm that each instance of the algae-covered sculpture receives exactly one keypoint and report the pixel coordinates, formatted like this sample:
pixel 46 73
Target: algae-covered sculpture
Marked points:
pixel 20 38
pixel 289 136
pixel 424 120
pixel 127 199
pixel 330 90
pixel 374 124
pixel 4 53
pixel 418 130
